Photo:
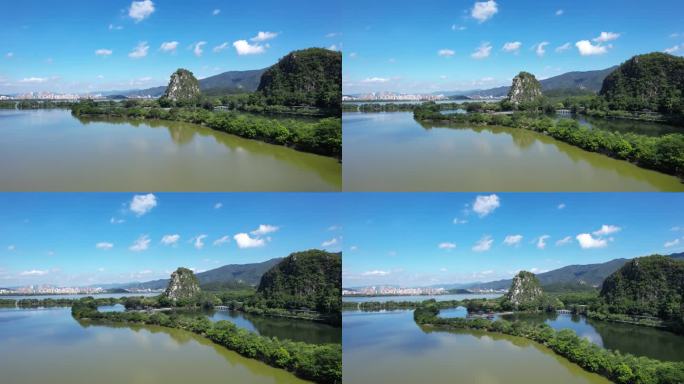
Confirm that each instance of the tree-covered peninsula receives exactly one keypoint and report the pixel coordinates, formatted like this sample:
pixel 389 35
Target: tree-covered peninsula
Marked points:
pixel 178 308
pixel 306 82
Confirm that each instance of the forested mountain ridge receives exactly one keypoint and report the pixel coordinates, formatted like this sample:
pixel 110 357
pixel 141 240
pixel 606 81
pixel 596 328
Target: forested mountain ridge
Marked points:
pixel 310 279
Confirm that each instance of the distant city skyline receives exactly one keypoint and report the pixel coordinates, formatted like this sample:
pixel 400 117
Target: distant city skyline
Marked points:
pixel 417 240
pixel 84 239
pixel 87 46
pixel 448 45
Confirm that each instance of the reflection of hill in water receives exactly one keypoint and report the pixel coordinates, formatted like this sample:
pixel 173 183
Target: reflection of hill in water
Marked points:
pixel 182 134
pixel 525 139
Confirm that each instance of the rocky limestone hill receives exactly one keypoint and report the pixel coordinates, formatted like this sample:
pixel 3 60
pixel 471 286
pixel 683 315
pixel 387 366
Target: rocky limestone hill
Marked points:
pixel 654 81
pixel 308 77
pixel 182 286
pixel 311 279
pixel 182 86
pixel 525 291
pixel 525 89
pixel 651 285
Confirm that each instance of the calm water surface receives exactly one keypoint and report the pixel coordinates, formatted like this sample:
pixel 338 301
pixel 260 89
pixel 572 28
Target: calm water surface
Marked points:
pixel 282 328
pixel 49 346
pixel 626 338
pixel 50 150
pixel 388 347
pixel 393 152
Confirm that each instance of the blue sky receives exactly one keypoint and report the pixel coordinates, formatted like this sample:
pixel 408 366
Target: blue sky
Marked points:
pixel 434 238
pixel 89 238
pixel 405 46
pixel 84 45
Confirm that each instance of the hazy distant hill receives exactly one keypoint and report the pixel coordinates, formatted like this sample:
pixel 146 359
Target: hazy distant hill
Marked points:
pixel 226 82
pixel 249 274
pixel 587 80
pixel 591 275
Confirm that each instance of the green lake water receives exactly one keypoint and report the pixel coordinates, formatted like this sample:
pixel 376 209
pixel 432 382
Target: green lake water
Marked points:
pixel 50 150
pixel 393 152
pixel 388 347
pixel 48 345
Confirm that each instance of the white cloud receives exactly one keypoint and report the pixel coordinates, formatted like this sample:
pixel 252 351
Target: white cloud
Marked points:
pixel 139 51
pixel 216 12
pixel 199 241
pixel 513 239
pixel 443 269
pixel 142 243
pixel 607 230
pixel 264 36
pixel 330 243
pixel 540 49
pixel 354 248
pixel 606 37
pixel 332 34
pixel 218 205
pixel 672 243
pixel 564 241
pixel 243 240
pixel 541 241
pixel 455 27
pixel 484 244
pixel 587 241
pixel 512 46
pixel 375 80
pixel 353 55
pixel 334 47
pixel 586 48
pixel 170 239
pixel 334 228
pixel 103 52
pixel 37 80
pixel 446 245
pixel 563 48
pixel 376 273
pixel 198 50
pixel 113 27
pixel 11 247
pixel 459 221
pixel 9 55
pixel 675 49
pixel 169 46
pixel 221 47
pixel 245 48
pixel 142 204
pixel 559 12
pixel 114 220
pixel 140 10
pixel 561 206
pixel 484 10
pixel 446 52
pixel 34 272
pixel 222 240
pixel 484 205
pixel 104 245
pixel 264 229
pixel 482 52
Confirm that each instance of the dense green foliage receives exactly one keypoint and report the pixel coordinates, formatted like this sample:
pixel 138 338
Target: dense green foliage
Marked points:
pixel 309 77
pixel 665 153
pixel 309 280
pixel 323 137
pixel 622 369
pixel 650 286
pixel 320 363
pixel 34 104
pixel 654 82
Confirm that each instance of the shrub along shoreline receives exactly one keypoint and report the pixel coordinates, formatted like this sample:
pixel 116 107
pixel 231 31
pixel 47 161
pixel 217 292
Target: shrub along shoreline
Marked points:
pixel 320 363
pixel 622 369
pixel 323 137
pixel 664 154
